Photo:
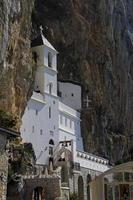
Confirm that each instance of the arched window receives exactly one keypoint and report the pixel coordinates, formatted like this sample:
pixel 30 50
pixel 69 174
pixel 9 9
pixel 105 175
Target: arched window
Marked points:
pixel 88 186
pixel 35 56
pixel 50 59
pixel 51 142
pixel 50 88
pixel 80 188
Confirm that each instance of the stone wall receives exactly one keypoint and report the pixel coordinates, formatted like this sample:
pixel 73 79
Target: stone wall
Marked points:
pixel 16 69
pixel 50 188
pixel 3 175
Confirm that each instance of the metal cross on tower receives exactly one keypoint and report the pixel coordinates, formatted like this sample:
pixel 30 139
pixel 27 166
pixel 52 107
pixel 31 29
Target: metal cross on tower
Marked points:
pixel 87 102
pixel 41 29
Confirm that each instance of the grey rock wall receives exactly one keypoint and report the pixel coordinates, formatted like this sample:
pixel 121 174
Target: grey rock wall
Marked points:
pixel 15 59
pixel 95 41
pixel 95 44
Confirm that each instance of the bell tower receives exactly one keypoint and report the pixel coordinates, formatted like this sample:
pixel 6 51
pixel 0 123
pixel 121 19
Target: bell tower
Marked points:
pixel 45 56
pixel 40 121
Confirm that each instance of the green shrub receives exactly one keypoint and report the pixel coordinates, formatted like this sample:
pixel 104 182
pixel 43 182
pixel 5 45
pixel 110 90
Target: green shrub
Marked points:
pixel 6 120
pixel 74 196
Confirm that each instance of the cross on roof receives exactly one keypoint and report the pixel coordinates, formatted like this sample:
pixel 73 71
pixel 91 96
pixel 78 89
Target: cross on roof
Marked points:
pixel 41 29
pixel 87 101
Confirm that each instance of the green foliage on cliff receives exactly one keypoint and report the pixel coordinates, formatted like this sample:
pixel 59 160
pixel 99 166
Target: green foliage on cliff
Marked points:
pixel 21 159
pixel 74 196
pixel 6 120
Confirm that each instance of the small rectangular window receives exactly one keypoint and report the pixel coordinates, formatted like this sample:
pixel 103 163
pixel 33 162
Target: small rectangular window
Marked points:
pixel 33 129
pixel 65 121
pixel 41 132
pixel 60 119
pixel 50 88
pixel 70 123
pixel 49 112
pixel 59 94
pixel 36 112
pixel 51 133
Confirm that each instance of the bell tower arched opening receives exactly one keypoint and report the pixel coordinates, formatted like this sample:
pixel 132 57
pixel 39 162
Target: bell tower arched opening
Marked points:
pixel 80 188
pixel 50 59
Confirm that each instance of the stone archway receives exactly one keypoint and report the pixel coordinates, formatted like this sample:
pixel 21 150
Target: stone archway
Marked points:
pixel 80 188
pixel 88 186
pixel 38 194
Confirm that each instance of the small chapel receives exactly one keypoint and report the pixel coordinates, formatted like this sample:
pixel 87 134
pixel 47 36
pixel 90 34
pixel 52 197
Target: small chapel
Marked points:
pixel 52 124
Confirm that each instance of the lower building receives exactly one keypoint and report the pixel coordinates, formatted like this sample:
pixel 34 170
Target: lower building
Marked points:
pixel 114 184
pixel 78 167
pixel 56 139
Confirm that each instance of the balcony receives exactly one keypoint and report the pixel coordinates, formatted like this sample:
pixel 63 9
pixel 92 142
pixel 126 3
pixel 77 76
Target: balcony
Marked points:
pixel 68 111
pixel 38 97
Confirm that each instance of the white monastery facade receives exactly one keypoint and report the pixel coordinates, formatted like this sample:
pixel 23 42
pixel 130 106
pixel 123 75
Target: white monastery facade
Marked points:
pixel 52 122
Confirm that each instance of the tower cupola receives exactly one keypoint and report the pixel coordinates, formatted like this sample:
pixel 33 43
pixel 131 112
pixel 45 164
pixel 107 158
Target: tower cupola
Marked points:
pixel 43 52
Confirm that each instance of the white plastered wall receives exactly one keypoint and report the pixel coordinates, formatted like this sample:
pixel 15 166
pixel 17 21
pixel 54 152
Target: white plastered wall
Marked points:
pixel 41 121
pixel 70 94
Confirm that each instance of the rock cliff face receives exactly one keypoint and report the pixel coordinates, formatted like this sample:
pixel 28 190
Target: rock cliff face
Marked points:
pixel 15 62
pixel 95 42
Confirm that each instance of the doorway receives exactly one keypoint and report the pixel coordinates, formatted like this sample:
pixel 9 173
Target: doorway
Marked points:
pixel 38 194
pixel 124 192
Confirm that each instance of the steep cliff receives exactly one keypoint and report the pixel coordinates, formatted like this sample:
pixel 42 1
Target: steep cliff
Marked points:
pixel 16 72
pixel 95 41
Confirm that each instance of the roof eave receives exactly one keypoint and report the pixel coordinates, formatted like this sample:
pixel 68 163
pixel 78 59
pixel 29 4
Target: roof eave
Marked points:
pixel 9 133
